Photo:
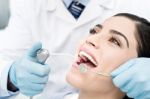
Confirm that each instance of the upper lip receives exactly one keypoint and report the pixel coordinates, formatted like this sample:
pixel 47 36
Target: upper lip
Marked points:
pixel 86 53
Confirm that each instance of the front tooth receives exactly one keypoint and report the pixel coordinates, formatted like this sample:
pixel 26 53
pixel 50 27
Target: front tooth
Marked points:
pixel 88 56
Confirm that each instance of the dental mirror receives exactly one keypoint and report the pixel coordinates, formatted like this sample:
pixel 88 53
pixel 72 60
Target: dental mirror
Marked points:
pixel 83 69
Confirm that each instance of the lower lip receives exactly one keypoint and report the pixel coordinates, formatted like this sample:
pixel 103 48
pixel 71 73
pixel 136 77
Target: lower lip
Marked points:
pixel 75 65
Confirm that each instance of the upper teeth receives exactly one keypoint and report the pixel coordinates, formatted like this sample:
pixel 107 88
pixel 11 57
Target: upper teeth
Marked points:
pixel 88 56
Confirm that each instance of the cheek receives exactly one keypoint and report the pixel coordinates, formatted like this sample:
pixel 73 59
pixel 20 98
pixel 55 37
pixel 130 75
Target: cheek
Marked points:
pixel 89 82
pixel 100 84
pixel 76 79
pixel 111 60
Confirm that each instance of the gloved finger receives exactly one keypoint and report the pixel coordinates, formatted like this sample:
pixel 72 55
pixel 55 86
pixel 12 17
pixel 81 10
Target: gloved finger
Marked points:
pixel 132 89
pixel 38 69
pixel 144 95
pixel 32 52
pixel 30 92
pixel 36 79
pixel 138 87
pixel 35 87
pixel 123 67
pixel 123 79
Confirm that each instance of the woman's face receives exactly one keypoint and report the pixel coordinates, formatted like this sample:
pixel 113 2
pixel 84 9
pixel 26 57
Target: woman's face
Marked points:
pixel 113 44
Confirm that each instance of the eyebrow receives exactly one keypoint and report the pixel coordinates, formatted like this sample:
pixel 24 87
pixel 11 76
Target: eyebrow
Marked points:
pixel 121 34
pixel 99 26
pixel 115 32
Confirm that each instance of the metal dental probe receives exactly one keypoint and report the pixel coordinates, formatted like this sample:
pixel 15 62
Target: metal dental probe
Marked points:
pixel 83 69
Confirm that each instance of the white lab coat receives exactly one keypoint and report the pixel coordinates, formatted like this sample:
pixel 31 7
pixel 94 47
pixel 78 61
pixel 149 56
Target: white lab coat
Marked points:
pixel 50 22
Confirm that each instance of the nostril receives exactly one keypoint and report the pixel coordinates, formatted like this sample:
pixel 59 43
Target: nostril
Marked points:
pixel 91 44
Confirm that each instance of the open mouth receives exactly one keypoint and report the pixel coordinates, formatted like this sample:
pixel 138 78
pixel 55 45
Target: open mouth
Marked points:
pixel 88 60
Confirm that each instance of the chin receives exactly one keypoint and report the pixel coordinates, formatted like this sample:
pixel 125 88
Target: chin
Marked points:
pixel 74 79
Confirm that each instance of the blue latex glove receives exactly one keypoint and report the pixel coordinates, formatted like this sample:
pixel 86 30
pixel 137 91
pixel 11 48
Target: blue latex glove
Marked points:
pixel 133 78
pixel 28 75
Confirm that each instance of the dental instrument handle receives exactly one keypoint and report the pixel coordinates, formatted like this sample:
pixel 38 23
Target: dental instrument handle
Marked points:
pixel 42 56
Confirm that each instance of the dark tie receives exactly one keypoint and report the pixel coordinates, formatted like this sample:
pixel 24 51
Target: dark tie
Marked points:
pixel 76 8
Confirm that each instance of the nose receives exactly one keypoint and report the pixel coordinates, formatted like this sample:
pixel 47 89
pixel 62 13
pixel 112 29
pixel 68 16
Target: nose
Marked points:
pixel 93 41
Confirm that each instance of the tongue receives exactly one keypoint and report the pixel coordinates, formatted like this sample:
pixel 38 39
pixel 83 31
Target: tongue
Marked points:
pixel 86 62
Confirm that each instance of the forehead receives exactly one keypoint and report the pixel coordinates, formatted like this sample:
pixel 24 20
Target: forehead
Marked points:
pixel 120 23
pixel 123 25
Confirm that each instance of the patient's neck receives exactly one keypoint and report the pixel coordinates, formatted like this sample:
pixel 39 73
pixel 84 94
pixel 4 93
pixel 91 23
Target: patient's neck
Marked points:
pixel 115 94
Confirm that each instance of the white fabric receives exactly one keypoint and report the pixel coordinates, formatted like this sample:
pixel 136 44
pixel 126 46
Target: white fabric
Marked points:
pixel 49 21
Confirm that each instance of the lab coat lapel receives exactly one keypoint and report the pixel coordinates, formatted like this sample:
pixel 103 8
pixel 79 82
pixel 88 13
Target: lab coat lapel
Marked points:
pixel 60 10
pixel 95 9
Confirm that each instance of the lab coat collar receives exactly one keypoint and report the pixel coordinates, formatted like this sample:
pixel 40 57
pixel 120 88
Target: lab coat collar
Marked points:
pixel 51 5
pixel 95 9
pixel 109 4
pixel 60 10
pixel 92 11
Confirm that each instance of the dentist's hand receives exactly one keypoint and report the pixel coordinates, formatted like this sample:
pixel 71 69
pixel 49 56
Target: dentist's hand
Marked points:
pixel 28 75
pixel 133 78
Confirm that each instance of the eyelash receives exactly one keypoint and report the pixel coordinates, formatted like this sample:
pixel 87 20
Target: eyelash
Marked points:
pixel 93 31
pixel 115 41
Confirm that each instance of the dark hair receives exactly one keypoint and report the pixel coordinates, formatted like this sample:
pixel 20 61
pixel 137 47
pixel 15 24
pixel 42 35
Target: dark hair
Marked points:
pixel 142 35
